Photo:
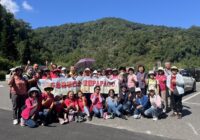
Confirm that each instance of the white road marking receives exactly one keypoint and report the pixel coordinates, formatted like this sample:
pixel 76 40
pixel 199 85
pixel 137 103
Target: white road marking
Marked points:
pixel 192 103
pixel 186 99
pixel 193 129
pixel 148 132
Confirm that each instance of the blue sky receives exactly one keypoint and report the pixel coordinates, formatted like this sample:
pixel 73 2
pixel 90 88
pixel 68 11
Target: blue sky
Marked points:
pixel 176 13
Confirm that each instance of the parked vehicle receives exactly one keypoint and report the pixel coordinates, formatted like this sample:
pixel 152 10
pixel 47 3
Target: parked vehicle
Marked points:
pixel 190 82
pixel 195 72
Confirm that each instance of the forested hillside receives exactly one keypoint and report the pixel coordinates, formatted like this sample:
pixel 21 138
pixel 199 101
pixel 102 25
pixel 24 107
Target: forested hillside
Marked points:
pixel 114 42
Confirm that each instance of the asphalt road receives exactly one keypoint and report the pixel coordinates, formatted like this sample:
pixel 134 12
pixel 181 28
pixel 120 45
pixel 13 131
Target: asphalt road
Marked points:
pixel 73 131
pixel 188 128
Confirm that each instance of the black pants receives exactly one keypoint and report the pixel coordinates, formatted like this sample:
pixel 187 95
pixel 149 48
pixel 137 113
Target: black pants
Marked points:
pixel 176 103
pixel 18 101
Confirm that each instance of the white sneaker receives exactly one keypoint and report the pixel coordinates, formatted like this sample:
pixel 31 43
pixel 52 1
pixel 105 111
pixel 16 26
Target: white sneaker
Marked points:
pixel 155 118
pixel 136 116
pixel 61 121
pixel 22 122
pixel 15 121
pixel 164 110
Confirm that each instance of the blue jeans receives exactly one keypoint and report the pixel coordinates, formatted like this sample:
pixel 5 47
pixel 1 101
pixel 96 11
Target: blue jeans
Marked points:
pixel 127 107
pixel 139 111
pixel 86 111
pixel 30 123
pixel 45 116
pixel 98 112
pixel 153 112
pixel 115 109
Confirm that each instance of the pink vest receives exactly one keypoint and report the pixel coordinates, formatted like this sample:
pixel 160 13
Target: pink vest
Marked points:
pixel 29 110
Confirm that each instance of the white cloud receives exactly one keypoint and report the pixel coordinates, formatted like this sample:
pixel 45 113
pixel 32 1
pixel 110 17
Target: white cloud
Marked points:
pixel 27 6
pixel 10 5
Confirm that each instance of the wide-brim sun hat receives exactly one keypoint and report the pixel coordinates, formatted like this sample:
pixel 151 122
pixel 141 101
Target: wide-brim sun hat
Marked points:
pixel 151 72
pixel 32 90
pixel 87 69
pixel 131 69
pixel 95 72
pixel 48 87
pixel 152 88
pixel 63 68
pixel 160 69
pixel 174 68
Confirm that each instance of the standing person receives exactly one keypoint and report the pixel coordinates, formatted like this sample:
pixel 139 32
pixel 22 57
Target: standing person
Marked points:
pixel 114 74
pixel 18 91
pixel 175 84
pixel 113 105
pixel 122 76
pixel 33 69
pixel 82 104
pixel 156 105
pixel 64 73
pixel 167 69
pixel 141 76
pixel 168 72
pixel 132 81
pixel 161 77
pixel 72 72
pixel 55 73
pixel 140 104
pixel 46 74
pixel 97 102
pixel 152 82
pixel 30 112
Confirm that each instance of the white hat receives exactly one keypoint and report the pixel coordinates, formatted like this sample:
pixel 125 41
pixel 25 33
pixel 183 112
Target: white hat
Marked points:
pixel 152 88
pixel 63 68
pixel 161 68
pixel 174 68
pixel 151 72
pixel 95 72
pixel 87 69
pixel 137 89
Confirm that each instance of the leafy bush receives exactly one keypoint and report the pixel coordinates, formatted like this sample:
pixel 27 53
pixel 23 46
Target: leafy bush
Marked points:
pixel 2 75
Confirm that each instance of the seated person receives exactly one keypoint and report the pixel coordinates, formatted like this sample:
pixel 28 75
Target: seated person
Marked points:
pixel 47 103
pixel 30 112
pixel 125 99
pixel 156 105
pixel 113 107
pixel 82 104
pixel 71 106
pixel 59 109
pixel 140 103
pixel 97 102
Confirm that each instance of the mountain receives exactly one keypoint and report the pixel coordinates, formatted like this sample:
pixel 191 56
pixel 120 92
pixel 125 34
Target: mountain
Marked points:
pixel 115 42
pixel 112 42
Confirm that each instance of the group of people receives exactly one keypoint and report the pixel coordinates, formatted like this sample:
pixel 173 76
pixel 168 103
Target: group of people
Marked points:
pixel 141 94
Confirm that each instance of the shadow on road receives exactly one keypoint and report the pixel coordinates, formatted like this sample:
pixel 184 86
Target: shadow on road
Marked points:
pixel 186 112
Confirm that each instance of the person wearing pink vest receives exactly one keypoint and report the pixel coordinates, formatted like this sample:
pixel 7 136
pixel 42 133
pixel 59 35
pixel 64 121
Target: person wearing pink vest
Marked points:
pixel 30 112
